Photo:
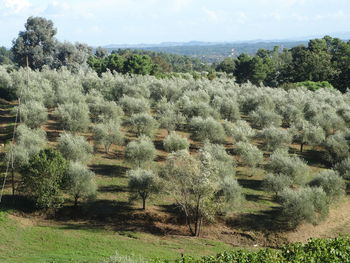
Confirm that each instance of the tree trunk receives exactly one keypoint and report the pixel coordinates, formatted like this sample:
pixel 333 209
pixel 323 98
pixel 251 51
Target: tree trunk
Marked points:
pixel 301 147
pixel 13 181
pixel 144 203
pixel 76 201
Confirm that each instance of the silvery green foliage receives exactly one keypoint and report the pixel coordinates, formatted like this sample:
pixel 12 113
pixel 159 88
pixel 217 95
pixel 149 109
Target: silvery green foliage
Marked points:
pixel 249 153
pixel 132 105
pixel 207 129
pixel 254 97
pixel 143 184
pixel 308 204
pixel 343 168
pixel 216 159
pixel 107 133
pixel 102 110
pixel 240 130
pixel 32 113
pixel 274 138
pixel 292 166
pixel 336 147
pixel 307 133
pixel 73 117
pixel 143 123
pixel 190 108
pixel 230 194
pixel 329 120
pixel 263 118
pixel 118 258
pixel 227 107
pixel 74 147
pixel 331 183
pixel 28 143
pixel 171 120
pixel 277 183
pixel 80 182
pixel 141 152
pixel 174 142
pixel 344 112
pixel 291 113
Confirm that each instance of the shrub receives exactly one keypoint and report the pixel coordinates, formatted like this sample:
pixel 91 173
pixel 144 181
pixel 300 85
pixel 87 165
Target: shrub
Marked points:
pixel 143 123
pixel 343 168
pixel 107 134
pixel 42 178
pixel 276 183
pixel 240 131
pixel 140 152
pixel 73 117
pixel 174 142
pixel 33 114
pixel 263 118
pixel 80 182
pixel 274 138
pixel 143 184
pixel 74 147
pixel 308 204
pixel 292 166
pixel 207 129
pixel 331 183
pixel 249 153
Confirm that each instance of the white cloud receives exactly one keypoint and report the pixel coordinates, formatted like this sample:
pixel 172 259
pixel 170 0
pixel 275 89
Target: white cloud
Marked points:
pixel 12 7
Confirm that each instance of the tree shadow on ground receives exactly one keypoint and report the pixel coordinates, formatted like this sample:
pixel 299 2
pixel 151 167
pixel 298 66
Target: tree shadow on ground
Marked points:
pixel 17 202
pixel 251 183
pixel 315 158
pixel 109 170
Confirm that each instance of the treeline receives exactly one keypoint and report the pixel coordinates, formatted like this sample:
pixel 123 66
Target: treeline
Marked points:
pixel 326 59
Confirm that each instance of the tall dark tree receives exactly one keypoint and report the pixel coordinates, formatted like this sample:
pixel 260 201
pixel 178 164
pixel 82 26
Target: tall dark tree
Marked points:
pixel 37 42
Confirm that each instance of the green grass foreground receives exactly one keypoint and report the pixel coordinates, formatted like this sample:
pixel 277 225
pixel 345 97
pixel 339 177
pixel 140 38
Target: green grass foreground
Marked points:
pixel 35 243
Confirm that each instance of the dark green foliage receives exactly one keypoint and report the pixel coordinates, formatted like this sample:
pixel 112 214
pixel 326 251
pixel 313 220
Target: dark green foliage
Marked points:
pixel 335 250
pixel 42 178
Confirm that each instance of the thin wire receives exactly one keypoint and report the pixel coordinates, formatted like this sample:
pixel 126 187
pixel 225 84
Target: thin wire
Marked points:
pixel 11 159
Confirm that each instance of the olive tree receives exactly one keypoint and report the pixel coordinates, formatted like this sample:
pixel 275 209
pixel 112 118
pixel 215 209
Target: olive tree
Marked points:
pixel 263 118
pixel 132 105
pixel 274 138
pixel 73 117
pixel 33 114
pixel 171 119
pixel 308 204
pixel 307 133
pixel 240 131
pixel 74 147
pixel 292 166
pixel 174 142
pixel 228 108
pixel 143 184
pixel 336 147
pixel 207 129
pixel 277 183
pixel 107 134
pixel 80 182
pixel 343 168
pixel 249 153
pixel 331 183
pixel 102 110
pixel 143 123
pixel 197 190
pixel 140 152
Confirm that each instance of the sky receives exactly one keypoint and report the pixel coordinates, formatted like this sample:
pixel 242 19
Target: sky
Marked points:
pixel 103 22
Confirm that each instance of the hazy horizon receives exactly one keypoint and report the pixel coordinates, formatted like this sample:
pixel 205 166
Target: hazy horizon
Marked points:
pixel 106 22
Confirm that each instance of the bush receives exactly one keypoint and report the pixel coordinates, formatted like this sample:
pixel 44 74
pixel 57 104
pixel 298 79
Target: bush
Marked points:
pixel 143 184
pixel 274 138
pixel 331 183
pixel 263 118
pixel 250 154
pixel 207 129
pixel 42 178
pixel 143 123
pixel 276 183
pixel 292 166
pixel 80 182
pixel 73 117
pixel 174 142
pixel 74 147
pixel 33 114
pixel 343 168
pixel 107 134
pixel 140 152
pixel 308 204
pixel 240 131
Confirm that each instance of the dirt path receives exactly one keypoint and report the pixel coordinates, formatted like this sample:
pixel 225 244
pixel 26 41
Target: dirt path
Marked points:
pixel 338 223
